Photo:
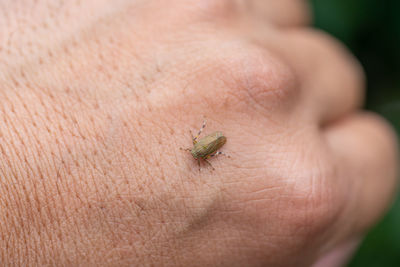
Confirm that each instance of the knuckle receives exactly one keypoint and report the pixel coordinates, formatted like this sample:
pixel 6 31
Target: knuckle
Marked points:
pixel 283 12
pixel 379 127
pixel 253 78
pixel 266 80
pixel 331 58
pixel 215 8
pixel 385 144
pixel 315 206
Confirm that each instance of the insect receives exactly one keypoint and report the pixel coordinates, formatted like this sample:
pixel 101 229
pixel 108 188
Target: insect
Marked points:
pixel 206 147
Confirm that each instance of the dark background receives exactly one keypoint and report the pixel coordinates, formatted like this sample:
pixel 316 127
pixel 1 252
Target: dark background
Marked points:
pixel 371 30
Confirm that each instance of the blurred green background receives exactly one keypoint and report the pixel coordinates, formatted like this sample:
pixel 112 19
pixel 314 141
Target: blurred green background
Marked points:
pixel 371 29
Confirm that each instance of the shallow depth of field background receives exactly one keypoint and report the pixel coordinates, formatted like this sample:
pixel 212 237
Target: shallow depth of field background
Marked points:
pixel 371 29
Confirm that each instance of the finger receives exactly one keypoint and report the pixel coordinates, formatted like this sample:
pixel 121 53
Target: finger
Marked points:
pixel 332 82
pixel 339 256
pixel 285 13
pixel 365 148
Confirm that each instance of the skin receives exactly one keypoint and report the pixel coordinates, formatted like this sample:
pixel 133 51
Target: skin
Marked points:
pixel 97 97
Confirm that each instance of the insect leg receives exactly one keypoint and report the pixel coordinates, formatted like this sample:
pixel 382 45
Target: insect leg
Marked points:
pixel 198 134
pixel 219 153
pixel 185 149
pixel 209 164
pixel 198 161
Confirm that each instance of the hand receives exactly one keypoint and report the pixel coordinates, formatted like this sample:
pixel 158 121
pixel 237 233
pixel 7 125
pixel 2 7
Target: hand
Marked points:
pixel 98 97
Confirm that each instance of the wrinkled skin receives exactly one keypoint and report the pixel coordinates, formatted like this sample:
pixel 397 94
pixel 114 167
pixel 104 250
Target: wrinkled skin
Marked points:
pixel 97 97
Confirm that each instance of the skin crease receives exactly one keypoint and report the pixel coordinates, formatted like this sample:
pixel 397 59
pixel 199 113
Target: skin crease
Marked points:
pixel 98 96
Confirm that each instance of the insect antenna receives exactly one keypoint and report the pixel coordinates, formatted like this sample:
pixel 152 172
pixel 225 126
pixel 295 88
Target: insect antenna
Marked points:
pixel 198 134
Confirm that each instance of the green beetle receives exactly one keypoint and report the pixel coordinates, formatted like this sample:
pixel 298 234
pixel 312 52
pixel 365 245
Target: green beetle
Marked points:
pixel 207 146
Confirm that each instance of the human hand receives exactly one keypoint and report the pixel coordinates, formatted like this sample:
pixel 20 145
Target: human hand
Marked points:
pixel 97 104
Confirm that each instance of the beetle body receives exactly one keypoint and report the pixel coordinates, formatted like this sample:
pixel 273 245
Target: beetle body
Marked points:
pixel 208 145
